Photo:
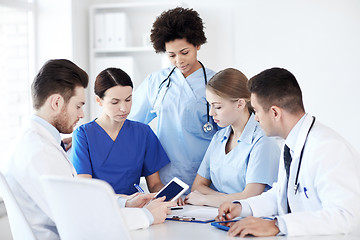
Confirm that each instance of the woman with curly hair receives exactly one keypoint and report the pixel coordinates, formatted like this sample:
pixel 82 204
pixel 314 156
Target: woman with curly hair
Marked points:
pixel 176 95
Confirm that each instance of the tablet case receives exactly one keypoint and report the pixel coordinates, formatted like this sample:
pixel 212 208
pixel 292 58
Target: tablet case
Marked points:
pixel 218 224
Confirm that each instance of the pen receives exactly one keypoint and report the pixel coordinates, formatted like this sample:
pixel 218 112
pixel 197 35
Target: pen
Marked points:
pixel 139 188
pixel 305 189
pixel 227 221
pixel 176 208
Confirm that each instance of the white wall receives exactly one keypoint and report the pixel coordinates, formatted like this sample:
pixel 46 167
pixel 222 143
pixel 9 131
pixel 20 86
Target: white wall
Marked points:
pixel 53 30
pixel 62 32
pixel 317 40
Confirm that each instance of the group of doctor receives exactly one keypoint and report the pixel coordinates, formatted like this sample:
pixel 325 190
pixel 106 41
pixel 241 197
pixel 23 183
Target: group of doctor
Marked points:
pixel 209 135
pixel 213 133
pixel 240 161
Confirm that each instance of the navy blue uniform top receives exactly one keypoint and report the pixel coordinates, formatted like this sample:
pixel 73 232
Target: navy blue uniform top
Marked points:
pixel 135 152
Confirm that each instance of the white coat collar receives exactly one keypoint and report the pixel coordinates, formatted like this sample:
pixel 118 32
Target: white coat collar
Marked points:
pixel 41 130
pixel 291 139
pixel 49 127
pixel 301 136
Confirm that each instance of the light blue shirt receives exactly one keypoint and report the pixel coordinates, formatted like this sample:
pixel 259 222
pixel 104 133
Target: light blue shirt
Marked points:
pixel 181 117
pixel 52 130
pixel 255 159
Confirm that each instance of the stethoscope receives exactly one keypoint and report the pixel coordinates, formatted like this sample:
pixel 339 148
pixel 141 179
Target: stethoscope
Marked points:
pixel 208 127
pixel 297 184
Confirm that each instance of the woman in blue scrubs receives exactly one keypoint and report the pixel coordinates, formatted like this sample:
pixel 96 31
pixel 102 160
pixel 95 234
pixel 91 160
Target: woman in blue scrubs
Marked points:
pixel 176 95
pixel 113 148
pixel 241 161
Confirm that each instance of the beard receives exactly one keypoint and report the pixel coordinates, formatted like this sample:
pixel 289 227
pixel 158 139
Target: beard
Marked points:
pixel 62 122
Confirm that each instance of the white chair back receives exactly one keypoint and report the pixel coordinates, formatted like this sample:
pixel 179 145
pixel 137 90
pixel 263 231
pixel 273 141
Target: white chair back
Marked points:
pixel 84 209
pixel 20 228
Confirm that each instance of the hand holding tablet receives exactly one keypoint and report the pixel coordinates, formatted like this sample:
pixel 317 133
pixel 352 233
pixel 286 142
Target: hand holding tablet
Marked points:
pixel 173 190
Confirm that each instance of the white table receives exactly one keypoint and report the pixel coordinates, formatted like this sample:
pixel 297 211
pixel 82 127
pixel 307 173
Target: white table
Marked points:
pixel 204 231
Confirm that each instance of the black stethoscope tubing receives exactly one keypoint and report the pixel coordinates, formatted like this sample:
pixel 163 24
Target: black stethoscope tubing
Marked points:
pixel 207 103
pixel 208 125
pixel 296 185
pixel 167 78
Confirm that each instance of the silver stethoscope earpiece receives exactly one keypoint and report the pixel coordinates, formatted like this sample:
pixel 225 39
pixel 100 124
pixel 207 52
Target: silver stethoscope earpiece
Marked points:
pixel 208 127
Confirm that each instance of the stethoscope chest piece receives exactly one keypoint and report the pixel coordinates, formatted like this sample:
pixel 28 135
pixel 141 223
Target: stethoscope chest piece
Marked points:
pixel 208 127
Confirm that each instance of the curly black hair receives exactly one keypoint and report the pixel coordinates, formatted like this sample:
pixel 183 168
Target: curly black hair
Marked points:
pixel 177 23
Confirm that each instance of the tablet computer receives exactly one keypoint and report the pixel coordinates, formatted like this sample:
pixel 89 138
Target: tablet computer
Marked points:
pixel 173 190
pixel 224 225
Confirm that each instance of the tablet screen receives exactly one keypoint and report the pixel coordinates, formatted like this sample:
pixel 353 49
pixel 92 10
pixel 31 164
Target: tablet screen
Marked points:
pixel 170 191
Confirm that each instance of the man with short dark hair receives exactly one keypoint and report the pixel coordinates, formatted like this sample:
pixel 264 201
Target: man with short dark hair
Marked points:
pixel 318 188
pixel 58 93
pixel 58 96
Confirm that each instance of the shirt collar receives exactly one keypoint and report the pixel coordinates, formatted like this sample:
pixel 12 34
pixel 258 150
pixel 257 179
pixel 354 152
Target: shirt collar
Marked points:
pixel 226 133
pixel 247 134
pixel 292 137
pixel 49 127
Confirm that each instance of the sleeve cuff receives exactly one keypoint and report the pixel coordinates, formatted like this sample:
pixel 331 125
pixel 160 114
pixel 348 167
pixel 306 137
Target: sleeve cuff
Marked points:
pixel 121 201
pixel 282 226
pixel 245 208
pixel 149 215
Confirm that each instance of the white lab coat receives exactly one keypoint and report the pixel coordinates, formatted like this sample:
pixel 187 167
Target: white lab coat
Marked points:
pixel 330 172
pixel 36 154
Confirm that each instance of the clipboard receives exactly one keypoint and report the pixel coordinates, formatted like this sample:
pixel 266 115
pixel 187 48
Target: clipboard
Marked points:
pixel 194 214
pixel 189 219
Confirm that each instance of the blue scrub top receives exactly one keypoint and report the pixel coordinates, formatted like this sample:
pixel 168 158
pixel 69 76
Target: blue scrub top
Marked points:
pixel 135 152
pixel 255 159
pixel 181 118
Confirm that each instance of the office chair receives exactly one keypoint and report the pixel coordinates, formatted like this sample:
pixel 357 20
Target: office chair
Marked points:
pixel 20 228
pixel 84 209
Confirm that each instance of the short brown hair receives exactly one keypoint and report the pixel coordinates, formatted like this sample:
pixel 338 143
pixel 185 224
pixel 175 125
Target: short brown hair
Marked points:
pixel 230 83
pixel 177 23
pixel 57 76
pixel 277 87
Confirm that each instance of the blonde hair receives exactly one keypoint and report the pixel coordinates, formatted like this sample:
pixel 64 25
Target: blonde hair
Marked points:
pixel 232 84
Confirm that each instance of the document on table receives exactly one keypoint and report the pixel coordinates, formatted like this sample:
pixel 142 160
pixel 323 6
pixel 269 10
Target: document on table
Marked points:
pixel 191 213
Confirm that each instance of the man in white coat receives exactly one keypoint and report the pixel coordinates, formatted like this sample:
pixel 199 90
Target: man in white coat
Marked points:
pixel 319 193
pixel 58 94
